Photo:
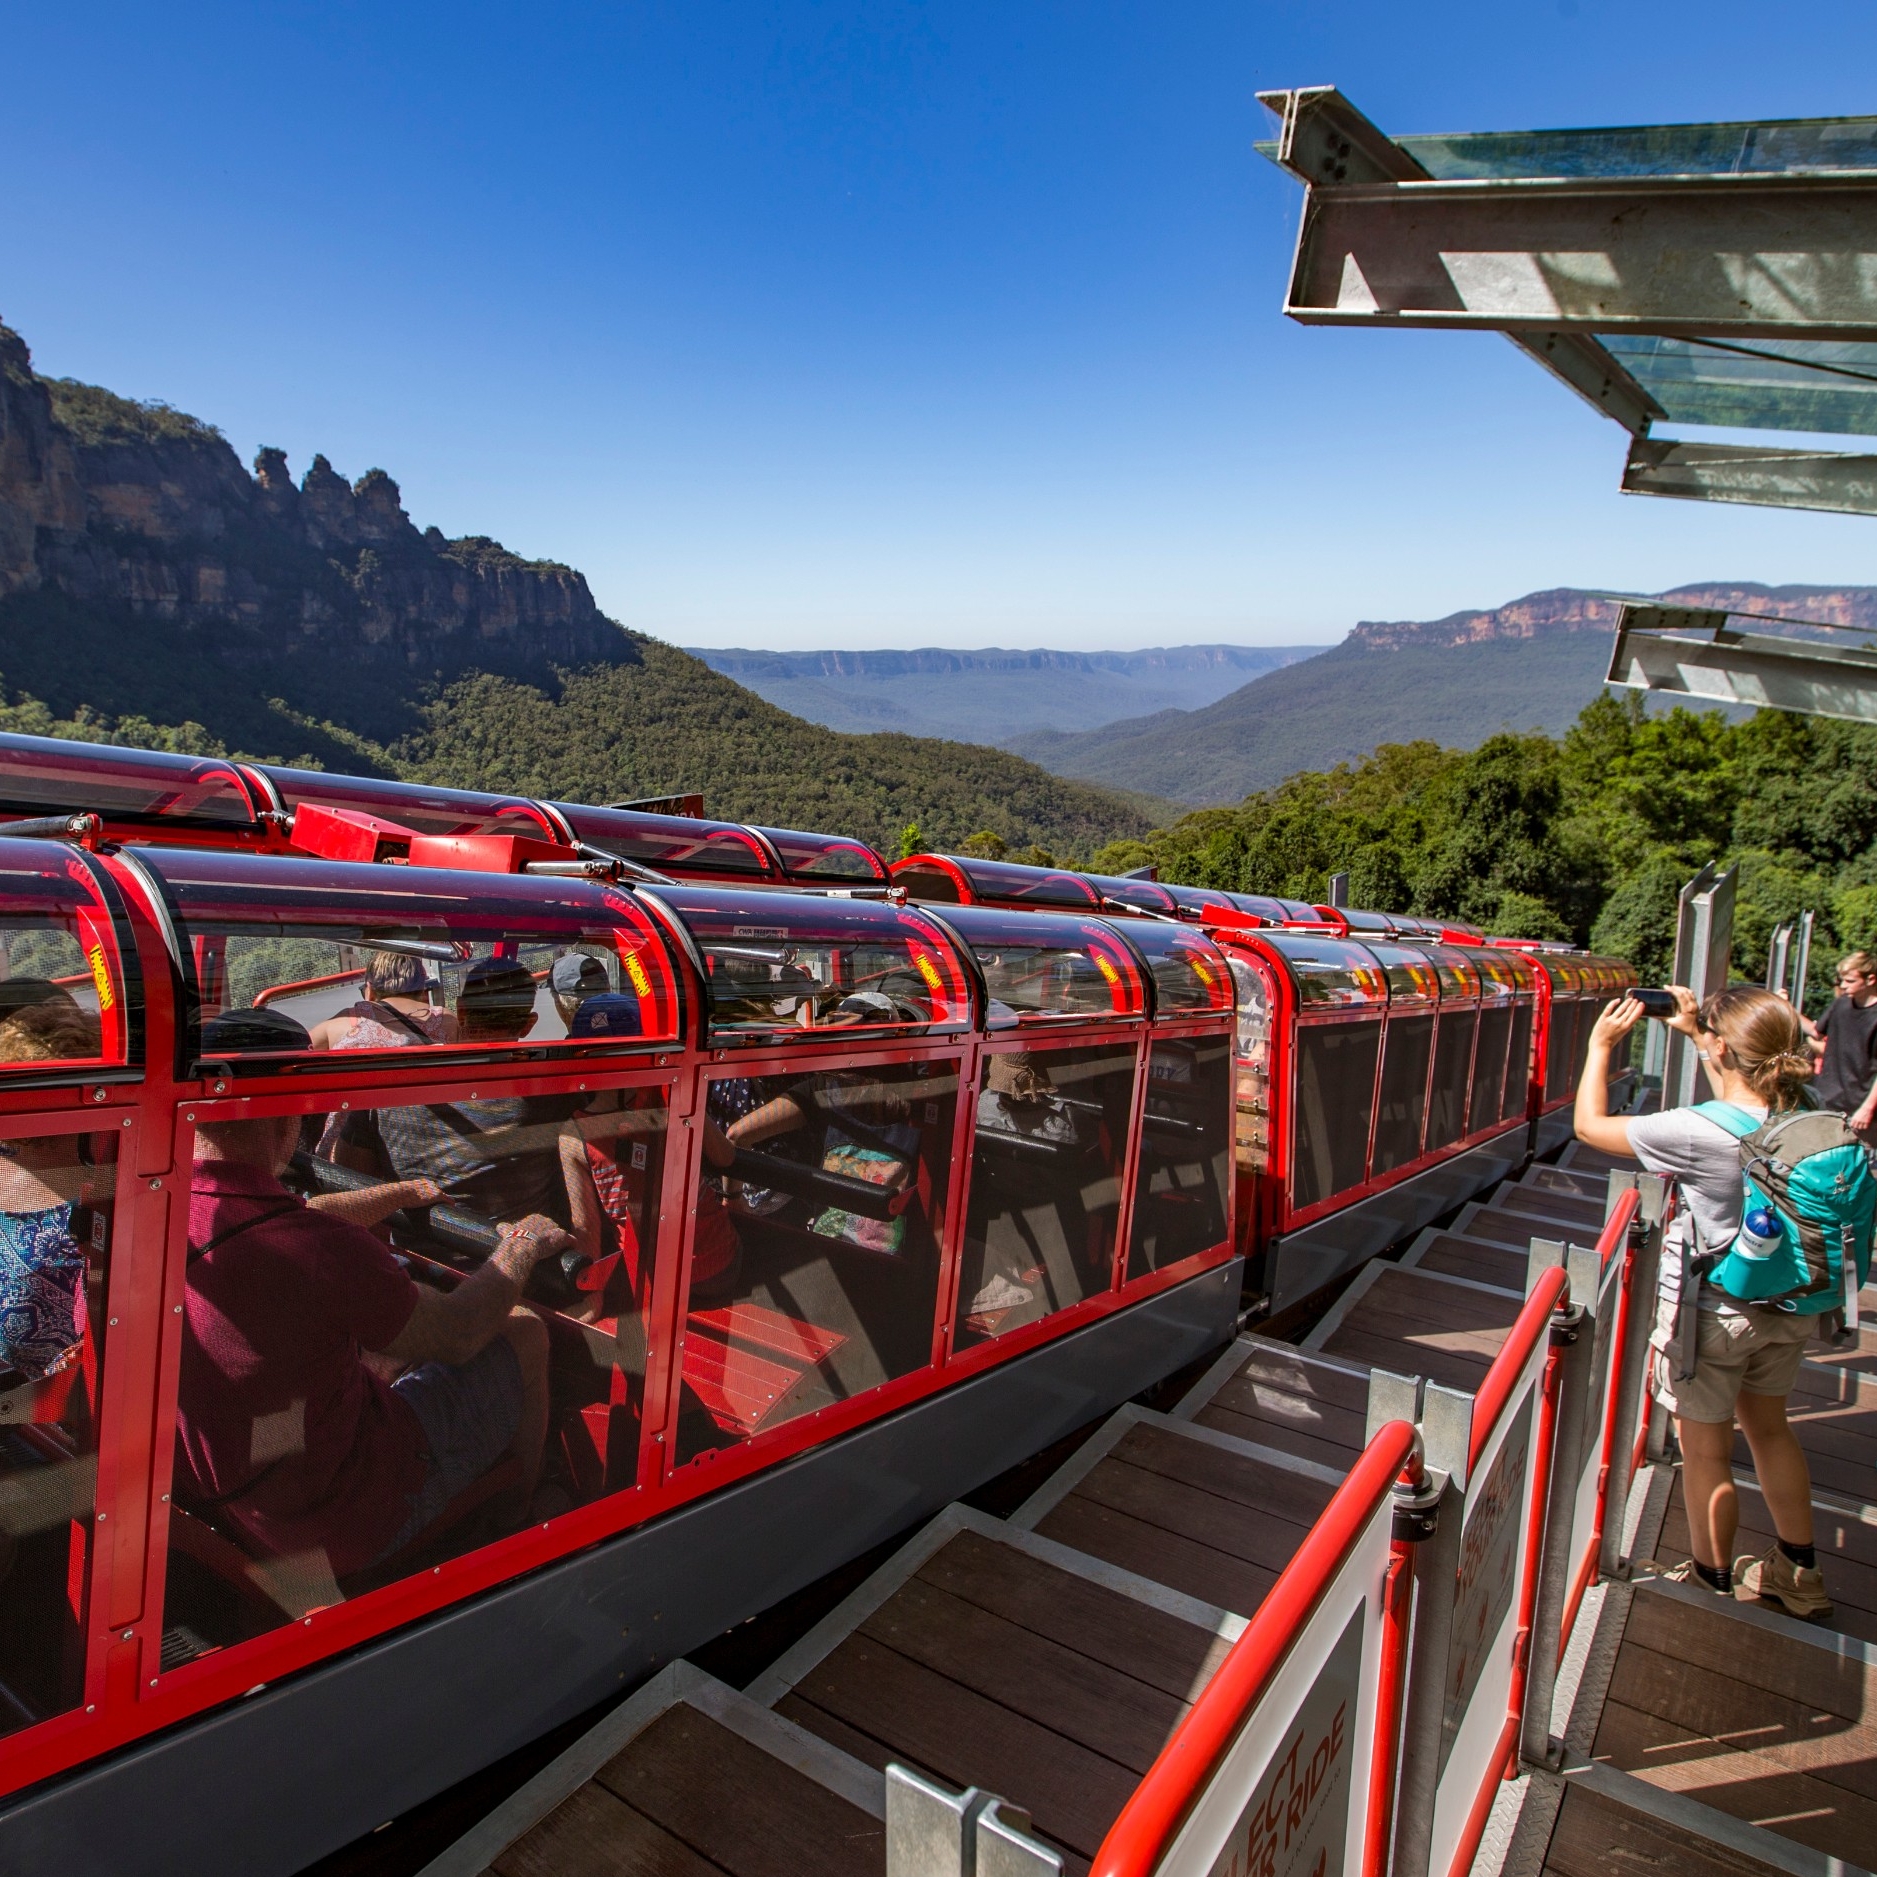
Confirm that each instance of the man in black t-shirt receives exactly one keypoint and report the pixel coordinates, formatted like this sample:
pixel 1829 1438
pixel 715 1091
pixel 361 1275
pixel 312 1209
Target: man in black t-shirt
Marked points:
pixel 1846 1038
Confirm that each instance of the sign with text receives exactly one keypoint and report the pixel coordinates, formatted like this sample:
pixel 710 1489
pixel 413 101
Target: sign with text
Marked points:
pixel 1290 1797
pixel 1483 1639
pixel 1297 1823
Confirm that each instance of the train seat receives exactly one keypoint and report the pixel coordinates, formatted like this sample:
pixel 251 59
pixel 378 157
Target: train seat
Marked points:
pixel 743 1361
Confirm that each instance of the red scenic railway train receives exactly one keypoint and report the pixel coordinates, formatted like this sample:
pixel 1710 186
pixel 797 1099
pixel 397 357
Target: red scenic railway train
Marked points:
pixel 871 1185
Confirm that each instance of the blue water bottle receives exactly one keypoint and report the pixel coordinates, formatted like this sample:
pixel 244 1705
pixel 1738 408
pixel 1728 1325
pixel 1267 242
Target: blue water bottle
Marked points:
pixel 1760 1234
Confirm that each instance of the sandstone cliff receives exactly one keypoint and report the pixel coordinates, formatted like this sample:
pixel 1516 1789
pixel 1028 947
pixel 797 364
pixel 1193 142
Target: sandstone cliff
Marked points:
pixel 140 520
pixel 1570 609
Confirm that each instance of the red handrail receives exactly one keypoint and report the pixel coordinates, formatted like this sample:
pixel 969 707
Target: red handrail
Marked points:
pixel 1532 1326
pixel 1153 1815
pixel 264 998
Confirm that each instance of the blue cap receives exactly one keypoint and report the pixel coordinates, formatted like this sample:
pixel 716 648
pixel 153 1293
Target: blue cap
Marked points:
pixel 611 1014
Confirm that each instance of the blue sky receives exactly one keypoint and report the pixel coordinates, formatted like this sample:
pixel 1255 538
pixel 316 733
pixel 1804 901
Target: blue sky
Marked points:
pixel 866 324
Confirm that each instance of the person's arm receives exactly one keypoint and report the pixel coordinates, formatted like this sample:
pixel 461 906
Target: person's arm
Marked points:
pixel 372 1205
pixel 583 1199
pixel 781 1116
pixel 1595 1125
pixel 455 1326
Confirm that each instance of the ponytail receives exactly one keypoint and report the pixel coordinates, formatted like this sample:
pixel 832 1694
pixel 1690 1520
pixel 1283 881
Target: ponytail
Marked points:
pixel 1764 1042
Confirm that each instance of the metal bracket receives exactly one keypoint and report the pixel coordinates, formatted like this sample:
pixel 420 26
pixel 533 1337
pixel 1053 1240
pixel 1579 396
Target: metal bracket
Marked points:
pixel 932 1831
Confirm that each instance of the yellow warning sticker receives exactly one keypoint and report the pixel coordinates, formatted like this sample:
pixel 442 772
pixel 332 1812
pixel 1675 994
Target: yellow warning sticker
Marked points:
pixel 101 977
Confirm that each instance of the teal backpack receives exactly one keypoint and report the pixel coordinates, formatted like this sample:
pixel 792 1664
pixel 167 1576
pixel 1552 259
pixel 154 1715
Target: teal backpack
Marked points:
pixel 1815 1174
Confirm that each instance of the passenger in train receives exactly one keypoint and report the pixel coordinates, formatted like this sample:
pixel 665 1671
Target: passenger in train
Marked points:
pixel 394 1012
pixel 288 1431
pixel 502 1156
pixel 588 1006
pixel 1746 1356
pixel 42 1263
pixel 860 1125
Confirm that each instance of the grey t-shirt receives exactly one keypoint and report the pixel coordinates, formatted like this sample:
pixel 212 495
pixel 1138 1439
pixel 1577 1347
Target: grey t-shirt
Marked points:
pixel 1705 1158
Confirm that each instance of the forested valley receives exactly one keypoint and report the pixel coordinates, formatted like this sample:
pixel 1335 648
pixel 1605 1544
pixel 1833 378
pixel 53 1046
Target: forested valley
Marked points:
pixel 1588 836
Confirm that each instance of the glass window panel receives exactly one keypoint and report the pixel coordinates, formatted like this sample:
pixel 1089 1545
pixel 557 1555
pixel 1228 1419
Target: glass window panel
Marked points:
pixel 1141 895
pixel 365 957
pixel 1773 147
pixel 1037 966
pixel 1180 1190
pixel 1006 882
pixel 785 962
pixel 674 844
pixel 1399 1121
pixel 820 1219
pixel 825 856
pixel 1489 1068
pixel 56 1218
pixel 47 775
pixel 1252 1049
pixel 1519 1065
pixel 1046 1171
pixel 1453 1067
pixel 1560 1043
pixel 1328 971
pixel 1335 1108
pixel 1263 906
pixel 931 883
pixel 62 991
pixel 1411 974
pixel 1189 972
pixel 353 1404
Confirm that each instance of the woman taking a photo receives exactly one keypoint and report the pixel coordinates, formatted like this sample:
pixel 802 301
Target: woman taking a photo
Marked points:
pixel 1747 1355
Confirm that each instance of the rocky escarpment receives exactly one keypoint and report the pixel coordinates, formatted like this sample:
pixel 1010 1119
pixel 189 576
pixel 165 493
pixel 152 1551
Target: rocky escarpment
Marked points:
pixel 1571 609
pixel 133 529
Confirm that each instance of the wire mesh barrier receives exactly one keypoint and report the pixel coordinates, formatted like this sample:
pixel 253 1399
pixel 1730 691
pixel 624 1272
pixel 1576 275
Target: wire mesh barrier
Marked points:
pixel 1407 1657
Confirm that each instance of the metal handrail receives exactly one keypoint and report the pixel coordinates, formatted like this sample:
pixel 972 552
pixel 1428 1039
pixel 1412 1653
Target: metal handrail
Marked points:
pixel 1152 1817
pixel 1531 1328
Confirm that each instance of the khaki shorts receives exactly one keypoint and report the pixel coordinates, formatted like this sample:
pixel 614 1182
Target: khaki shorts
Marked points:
pixel 1754 1352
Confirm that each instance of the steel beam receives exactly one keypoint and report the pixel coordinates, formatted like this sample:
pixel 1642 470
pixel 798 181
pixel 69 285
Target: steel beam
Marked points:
pixel 1747 257
pixel 1325 142
pixel 1840 483
pixel 1736 667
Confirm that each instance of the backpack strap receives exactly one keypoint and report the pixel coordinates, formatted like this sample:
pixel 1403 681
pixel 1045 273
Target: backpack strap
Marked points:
pixel 1724 1114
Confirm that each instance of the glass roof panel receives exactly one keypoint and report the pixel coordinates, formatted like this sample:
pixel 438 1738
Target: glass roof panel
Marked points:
pixel 1774 384
pixel 1744 149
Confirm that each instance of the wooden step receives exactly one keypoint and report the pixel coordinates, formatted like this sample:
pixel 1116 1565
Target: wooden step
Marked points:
pixel 992 1664
pixel 1570 1215
pixel 1846 1544
pixel 1278 1397
pixel 687 1778
pixel 1419 1323
pixel 1597 1834
pixel 1475 1258
pixel 1186 1508
pixel 1754 1722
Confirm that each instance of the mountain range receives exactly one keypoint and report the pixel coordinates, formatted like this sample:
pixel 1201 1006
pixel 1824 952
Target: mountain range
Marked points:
pixel 993 696
pixel 153 590
pixel 1532 664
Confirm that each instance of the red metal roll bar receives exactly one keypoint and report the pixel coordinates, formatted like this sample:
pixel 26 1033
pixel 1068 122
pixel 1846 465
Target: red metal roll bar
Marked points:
pixel 1148 1823
pixel 1616 1236
pixel 1495 1391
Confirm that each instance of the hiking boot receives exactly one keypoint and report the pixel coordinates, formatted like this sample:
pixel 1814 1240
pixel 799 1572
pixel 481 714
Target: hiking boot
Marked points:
pixel 1685 1573
pixel 1776 1579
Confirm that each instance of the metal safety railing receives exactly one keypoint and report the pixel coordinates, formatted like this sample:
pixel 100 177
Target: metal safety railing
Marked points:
pixel 1167 1826
pixel 1406 1660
